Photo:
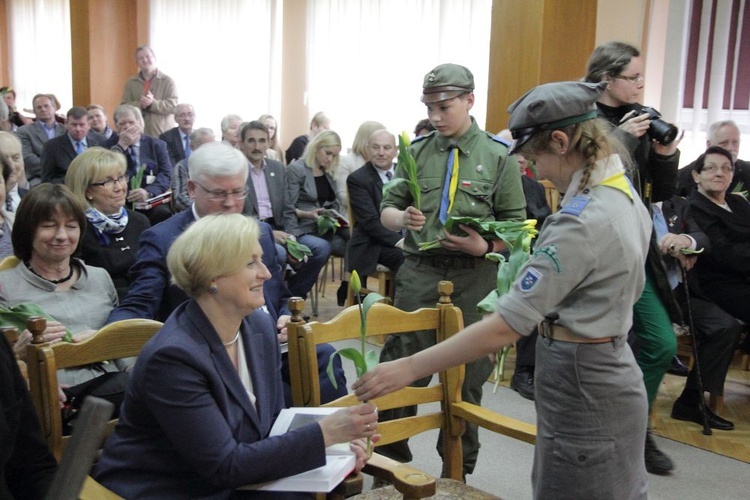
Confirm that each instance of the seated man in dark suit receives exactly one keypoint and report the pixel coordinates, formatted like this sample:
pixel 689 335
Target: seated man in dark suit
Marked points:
pixel 371 243
pixel 218 176
pixel 60 151
pixel 178 138
pixel 725 134
pixel 144 154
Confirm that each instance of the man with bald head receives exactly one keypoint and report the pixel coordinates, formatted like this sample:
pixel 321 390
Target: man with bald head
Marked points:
pixel 372 243
pixel 725 134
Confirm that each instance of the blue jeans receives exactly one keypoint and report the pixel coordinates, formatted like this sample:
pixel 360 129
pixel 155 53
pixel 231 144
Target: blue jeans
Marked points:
pixel 304 279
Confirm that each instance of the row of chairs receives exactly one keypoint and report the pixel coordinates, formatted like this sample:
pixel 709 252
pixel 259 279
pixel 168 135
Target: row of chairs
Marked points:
pixel 125 338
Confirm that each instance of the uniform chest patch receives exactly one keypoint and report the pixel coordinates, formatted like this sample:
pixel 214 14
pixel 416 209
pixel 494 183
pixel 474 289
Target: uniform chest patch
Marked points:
pixel 530 279
pixel 576 205
pixel 550 253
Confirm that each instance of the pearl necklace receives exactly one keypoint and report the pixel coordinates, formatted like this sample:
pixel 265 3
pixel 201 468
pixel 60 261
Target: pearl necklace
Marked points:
pixel 235 339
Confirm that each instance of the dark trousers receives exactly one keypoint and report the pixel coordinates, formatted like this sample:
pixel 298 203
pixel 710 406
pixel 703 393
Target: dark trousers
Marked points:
pixel 717 334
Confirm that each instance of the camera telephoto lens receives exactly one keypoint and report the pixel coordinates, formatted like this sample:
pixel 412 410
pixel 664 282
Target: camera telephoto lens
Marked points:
pixel 663 132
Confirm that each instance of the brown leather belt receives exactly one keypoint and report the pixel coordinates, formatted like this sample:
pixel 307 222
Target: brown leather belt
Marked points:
pixel 562 334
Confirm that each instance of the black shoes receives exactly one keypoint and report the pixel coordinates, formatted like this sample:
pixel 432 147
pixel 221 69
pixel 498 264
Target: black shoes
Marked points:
pixel 682 411
pixel 656 461
pixel 678 367
pixel 523 382
pixel 341 293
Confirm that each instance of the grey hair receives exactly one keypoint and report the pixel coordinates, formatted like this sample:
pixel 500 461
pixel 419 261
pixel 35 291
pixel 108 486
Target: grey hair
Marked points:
pixel 127 108
pixel 216 159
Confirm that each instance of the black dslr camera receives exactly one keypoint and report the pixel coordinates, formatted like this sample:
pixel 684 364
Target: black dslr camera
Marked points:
pixel 663 132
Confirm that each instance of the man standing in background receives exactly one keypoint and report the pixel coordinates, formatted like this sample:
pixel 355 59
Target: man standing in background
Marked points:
pixel 153 92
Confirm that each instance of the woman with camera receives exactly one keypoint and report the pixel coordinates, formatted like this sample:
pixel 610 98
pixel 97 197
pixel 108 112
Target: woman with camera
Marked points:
pixel 655 159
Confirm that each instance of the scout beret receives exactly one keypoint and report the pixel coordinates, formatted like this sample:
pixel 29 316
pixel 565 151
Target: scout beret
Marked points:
pixel 446 82
pixel 552 106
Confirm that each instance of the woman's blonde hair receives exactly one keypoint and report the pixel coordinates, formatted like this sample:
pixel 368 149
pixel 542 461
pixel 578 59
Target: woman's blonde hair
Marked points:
pixel 362 138
pixel 592 139
pixel 94 163
pixel 325 139
pixel 214 246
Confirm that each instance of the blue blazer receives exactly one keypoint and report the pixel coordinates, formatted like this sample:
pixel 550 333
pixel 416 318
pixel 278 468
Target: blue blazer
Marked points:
pixel 187 428
pixel 154 156
pixel 59 153
pixel 151 296
pixel 175 146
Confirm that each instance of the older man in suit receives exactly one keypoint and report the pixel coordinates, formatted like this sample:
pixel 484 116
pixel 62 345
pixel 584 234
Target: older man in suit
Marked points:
pixel 178 138
pixel 371 243
pixel 265 200
pixel 218 176
pixel 143 154
pixel 34 135
pixel 60 151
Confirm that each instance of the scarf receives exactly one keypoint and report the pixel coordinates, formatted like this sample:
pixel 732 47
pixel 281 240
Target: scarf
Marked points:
pixel 104 225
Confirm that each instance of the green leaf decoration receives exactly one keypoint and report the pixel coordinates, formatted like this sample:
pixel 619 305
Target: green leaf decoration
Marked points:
pixel 297 249
pixel 327 223
pixel 489 303
pixel 19 315
pixel 688 251
pixel 371 360
pixel 505 230
pixel 350 353
pixel 407 163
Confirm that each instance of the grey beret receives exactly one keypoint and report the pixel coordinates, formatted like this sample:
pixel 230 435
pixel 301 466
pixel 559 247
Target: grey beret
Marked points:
pixel 446 82
pixel 552 105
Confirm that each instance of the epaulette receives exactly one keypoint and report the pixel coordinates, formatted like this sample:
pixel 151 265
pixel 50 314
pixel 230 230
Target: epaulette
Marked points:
pixel 422 137
pixel 576 205
pixel 500 140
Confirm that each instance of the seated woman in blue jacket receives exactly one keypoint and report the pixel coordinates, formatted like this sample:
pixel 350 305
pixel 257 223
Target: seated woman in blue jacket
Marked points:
pixel 207 388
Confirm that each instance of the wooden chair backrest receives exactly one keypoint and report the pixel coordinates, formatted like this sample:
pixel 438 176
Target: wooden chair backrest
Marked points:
pixel 383 319
pixel 120 339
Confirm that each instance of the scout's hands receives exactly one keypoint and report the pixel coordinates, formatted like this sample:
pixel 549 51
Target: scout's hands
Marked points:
pixel 359 447
pixel 472 244
pixel 413 219
pixel 384 379
pixel 348 424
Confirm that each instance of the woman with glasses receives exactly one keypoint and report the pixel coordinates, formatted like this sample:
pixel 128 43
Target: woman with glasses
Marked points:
pixel 97 178
pixel 723 272
pixel 654 175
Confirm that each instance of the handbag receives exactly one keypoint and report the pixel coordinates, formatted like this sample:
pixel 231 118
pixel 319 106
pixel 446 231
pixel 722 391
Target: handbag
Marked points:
pixel 109 386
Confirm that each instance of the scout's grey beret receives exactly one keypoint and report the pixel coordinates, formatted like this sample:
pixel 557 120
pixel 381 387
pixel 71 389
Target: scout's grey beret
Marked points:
pixel 446 82
pixel 552 105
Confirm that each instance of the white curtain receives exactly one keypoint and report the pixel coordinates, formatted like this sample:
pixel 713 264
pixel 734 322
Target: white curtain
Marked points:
pixel 40 55
pixel 224 55
pixel 366 59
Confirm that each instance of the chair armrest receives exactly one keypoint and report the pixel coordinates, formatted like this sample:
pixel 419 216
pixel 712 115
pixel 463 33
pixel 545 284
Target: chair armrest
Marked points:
pixel 495 422
pixel 94 491
pixel 409 481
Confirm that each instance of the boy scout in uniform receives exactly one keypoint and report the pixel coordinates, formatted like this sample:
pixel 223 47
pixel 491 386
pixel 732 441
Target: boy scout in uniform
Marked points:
pixel 462 171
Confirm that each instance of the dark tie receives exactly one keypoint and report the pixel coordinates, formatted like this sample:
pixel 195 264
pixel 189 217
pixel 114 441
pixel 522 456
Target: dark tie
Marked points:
pixel 187 147
pixel 8 204
pixel 389 175
pixel 79 147
pixel 134 156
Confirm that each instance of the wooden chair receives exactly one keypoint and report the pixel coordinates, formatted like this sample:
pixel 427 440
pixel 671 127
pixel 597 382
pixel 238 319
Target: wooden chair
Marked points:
pixel 117 340
pixel 384 319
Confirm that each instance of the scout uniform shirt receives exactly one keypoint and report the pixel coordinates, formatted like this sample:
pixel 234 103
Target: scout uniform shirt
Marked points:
pixel 489 184
pixel 588 265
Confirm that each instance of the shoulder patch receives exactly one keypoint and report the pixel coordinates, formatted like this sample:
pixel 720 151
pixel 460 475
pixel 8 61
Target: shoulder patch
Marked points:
pixel 576 205
pixel 530 279
pixel 550 253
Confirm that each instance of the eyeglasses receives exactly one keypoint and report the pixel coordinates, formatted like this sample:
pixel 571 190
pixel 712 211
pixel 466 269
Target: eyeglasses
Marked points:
pixel 219 195
pixel 631 79
pixel 712 169
pixel 110 182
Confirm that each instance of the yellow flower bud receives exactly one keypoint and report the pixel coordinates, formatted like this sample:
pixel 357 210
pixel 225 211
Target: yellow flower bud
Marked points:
pixel 355 282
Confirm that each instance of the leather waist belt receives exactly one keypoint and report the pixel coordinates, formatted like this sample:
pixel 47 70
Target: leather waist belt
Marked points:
pixel 450 261
pixel 562 334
